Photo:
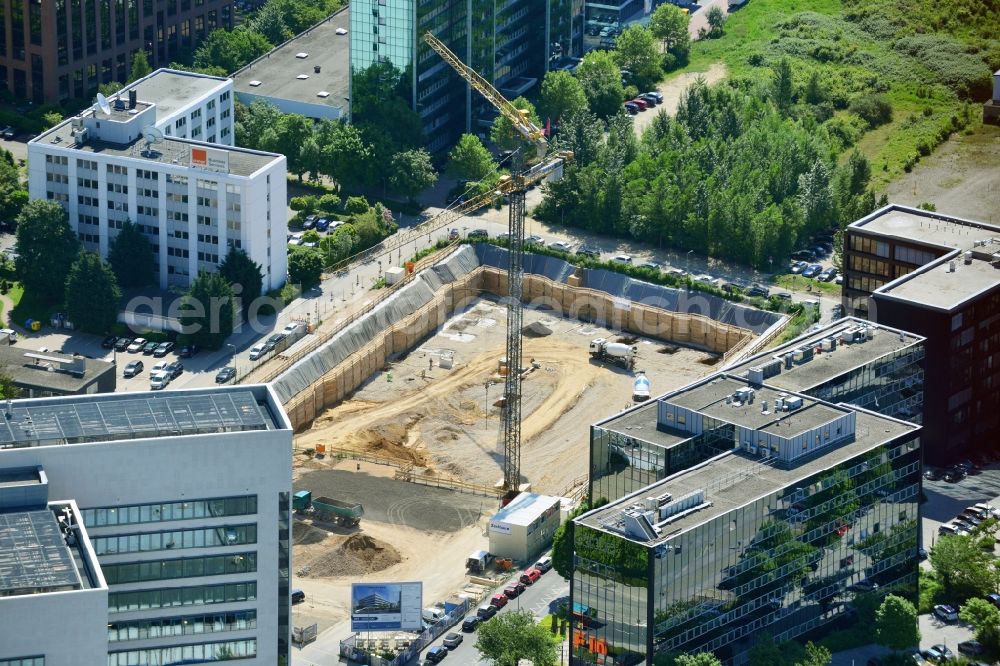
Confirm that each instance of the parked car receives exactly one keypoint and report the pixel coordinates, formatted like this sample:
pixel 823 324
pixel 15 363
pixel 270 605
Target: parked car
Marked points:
pixel 298 596
pixel 487 611
pixel 641 103
pixel 471 623
pixel 159 367
pixel 544 565
pixel 149 348
pixel 584 251
pixel 109 342
pixel 136 345
pixel 322 224
pixel 650 98
pixel 946 613
pixel 994 599
pixel 658 96
pixel 933 474
pixel 812 271
pixel 971 647
pixel 783 295
pixel 534 240
pixel 758 290
pixel 176 369
pixel 132 369
pixel 224 375
pixel 932 655
pixel 514 590
pixel 272 341
pixel 122 344
pixel 187 351
pixel 530 576
pixel 944 651
pixel 499 600
pixel 437 653
pixel 797 267
pixel 622 259
pixel 452 641
pixel 309 222
pixel 954 474
pixel 163 349
pixel 159 381
pixel 562 246
pixel 804 255
pixel 631 109
pixel 479 233
pixel 258 350
pixel 827 275
pixel 453 234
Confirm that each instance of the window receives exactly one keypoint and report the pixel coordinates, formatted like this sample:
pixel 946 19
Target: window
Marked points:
pixel 189 567
pixel 205 537
pixel 198 595
pixel 186 625
pixel 194 653
pixel 869 246
pixel 154 513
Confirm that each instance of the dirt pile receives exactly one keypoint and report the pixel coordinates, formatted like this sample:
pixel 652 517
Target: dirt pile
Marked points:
pixel 357 555
pixel 536 330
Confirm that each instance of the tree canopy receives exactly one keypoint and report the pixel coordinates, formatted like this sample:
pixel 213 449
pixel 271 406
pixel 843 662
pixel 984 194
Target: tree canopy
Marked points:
pixel 561 96
pixel 140 66
pixel 470 160
pixel 669 24
pixel 985 620
pixel 92 295
pixel 636 52
pixel 231 49
pixel 207 311
pixel 46 248
pixel 512 636
pixel 412 172
pixel 305 266
pixel 239 269
pixel 965 569
pixel 896 623
pixel 131 257
pixel 697 659
pixel 601 80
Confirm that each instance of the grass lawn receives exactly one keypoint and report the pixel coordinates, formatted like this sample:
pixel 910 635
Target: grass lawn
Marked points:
pixel 799 283
pixel 15 293
pixel 27 306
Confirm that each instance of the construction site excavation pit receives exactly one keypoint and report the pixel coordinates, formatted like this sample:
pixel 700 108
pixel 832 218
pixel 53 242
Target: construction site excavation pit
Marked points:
pixel 435 411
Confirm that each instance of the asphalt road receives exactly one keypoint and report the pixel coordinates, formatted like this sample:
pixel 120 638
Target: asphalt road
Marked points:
pixel 541 599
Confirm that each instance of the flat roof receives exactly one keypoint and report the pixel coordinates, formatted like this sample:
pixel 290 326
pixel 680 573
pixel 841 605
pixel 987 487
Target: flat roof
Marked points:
pixel 640 423
pixel 914 224
pixel 34 556
pixel 23 476
pixel 827 365
pixel 277 74
pixel 37 370
pixel 735 479
pixel 710 398
pixel 172 89
pixel 118 416
pixel 525 509
pixel 937 286
pixel 172 151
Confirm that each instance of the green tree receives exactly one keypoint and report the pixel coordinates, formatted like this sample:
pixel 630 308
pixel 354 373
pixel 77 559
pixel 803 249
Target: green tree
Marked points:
pixel 110 88
pixel 669 24
pixel 510 637
pixel 582 133
pixel 562 543
pixel 816 197
pixel 782 88
pixel 965 569
pixel 46 248
pixel 231 49
pixel 13 196
pixel 336 246
pixel 345 155
pixel 92 295
pixel 816 655
pixel 896 623
pixel 253 121
pixel 697 659
pixel 601 81
pixel 412 172
pixel 984 618
pixel 140 66
pixel 636 52
pixel 51 119
pixel 131 257
pixel 469 159
pixel 356 206
pixel 765 652
pixel 239 269
pixel 270 22
pixel 206 312
pixel 305 266
pixel 8 390
pixel 562 96
pixel 504 134
pixel 289 138
pixel 716 21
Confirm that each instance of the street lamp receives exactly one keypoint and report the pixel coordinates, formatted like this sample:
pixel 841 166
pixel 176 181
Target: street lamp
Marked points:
pixel 689 261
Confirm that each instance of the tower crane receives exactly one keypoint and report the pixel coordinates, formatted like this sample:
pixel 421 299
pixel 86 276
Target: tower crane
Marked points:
pixel 515 188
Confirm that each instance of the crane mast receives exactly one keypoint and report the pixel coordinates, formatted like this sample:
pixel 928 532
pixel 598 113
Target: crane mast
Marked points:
pixel 515 188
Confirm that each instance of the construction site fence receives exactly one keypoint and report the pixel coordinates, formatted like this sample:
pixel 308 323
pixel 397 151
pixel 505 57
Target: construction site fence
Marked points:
pixel 350 648
pixel 603 309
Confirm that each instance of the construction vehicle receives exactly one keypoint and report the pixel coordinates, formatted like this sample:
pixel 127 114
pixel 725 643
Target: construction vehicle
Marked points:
pixel 640 387
pixel 516 185
pixel 301 500
pixel 616 352
pixel 477 561
pixel 330 510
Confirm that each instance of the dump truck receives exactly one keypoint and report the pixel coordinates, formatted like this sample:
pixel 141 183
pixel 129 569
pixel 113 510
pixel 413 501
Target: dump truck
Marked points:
pixel 301 500
pixel 331 510
pixel 616 352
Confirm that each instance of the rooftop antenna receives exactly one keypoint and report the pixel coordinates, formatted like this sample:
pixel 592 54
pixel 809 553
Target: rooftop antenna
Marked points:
pixel 102 102
pixel 151 135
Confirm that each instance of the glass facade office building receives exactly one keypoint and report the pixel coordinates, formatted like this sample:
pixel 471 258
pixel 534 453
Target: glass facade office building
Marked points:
pixel 512 44
pixel 742 559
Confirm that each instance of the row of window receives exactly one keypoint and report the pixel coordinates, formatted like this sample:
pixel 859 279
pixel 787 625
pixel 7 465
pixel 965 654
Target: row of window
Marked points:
pixel 172 597
pixel 866 284
pixel 166 511
pixel 187 625
pixel 188 567
pixel 205 537
pixel 186 654
pixel 869 246
pixel 23 661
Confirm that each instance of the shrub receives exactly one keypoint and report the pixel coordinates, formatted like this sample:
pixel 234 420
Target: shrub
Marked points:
pixel 873 109
pixel 955 65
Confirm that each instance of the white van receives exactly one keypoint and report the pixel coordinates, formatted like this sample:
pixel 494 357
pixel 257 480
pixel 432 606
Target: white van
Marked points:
pixel 8 335
pixel 432 614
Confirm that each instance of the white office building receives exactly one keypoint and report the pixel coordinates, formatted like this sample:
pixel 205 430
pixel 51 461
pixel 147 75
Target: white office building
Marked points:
pixel 160 154
pixel 145 529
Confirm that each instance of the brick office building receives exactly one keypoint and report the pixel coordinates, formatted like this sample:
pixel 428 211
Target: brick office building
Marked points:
pixel 61 49
pixel 939 277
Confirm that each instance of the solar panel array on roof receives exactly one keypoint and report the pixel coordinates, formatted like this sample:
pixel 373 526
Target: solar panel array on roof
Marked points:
pixel 34 557
pixel 132 418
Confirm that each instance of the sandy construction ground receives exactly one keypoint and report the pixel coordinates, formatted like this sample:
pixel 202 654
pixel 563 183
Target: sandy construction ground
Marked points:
pixel 448 421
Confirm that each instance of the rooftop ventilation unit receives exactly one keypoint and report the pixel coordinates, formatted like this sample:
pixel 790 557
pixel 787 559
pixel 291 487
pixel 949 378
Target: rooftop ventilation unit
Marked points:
pixel 967 256
pixel 302 55
pixel 254 83
pixel 302 77
pixel 682 505
pixel 792 402
pixel 638 523
pixel 743 395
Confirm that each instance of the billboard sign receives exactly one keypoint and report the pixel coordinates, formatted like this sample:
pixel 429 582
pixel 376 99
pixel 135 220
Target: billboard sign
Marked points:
pixel 210 159
pixel 386 606
pixel 499 526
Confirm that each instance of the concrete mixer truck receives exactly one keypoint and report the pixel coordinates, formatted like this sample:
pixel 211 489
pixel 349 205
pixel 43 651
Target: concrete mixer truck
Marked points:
pixel 616 352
